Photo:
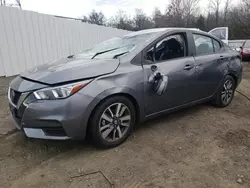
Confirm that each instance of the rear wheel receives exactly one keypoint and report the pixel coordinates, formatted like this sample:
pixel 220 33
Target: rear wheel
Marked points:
pixel 112 122
pixel 225 93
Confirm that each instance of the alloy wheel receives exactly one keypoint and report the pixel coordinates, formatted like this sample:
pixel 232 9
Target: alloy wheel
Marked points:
pixel 227 92
pixel 114 122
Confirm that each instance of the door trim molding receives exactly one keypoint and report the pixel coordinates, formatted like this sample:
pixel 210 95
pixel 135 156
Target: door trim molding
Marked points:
pixel 180 106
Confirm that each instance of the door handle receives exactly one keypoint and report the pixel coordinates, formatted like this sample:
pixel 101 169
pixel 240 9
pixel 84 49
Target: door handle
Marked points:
pixel 189 66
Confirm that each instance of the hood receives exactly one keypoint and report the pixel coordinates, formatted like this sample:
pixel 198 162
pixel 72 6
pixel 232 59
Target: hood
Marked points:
pixel 71 69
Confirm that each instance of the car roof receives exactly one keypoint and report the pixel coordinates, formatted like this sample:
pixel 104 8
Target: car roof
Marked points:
pixel 146 31
pixel 162 30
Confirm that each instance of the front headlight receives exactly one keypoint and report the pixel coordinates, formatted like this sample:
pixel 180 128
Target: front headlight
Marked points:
pixel 60 92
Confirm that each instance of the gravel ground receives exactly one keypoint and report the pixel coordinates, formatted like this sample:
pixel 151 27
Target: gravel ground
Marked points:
pixel 197 147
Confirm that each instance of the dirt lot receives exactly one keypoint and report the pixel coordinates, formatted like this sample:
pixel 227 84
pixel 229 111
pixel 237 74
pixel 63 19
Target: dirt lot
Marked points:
pixel 198 147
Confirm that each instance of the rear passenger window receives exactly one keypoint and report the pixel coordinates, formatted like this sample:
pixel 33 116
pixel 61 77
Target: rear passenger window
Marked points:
pixel 203 44
pixel 217 46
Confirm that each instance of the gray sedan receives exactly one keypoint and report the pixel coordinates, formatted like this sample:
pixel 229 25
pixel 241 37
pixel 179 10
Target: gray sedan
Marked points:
pixel 104 91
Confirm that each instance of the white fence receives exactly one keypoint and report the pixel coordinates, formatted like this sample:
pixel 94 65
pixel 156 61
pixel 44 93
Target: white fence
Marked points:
pixel 28 39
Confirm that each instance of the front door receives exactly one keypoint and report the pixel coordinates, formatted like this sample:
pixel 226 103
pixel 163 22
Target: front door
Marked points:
pixel 174 72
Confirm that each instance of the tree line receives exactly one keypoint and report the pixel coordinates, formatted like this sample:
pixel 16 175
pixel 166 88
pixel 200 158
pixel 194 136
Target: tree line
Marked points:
pixel 15 3
pixel 184 13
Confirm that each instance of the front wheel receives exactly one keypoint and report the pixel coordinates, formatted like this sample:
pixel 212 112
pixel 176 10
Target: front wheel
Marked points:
pixel 112 122
pixel 225 94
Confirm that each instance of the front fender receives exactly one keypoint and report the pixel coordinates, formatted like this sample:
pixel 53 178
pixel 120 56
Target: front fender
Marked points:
pixel 119 91
pixel 127 80
pixel 109 93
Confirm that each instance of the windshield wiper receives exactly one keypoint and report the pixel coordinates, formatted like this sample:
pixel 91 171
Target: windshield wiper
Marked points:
pixel 99 53
pixel 117 55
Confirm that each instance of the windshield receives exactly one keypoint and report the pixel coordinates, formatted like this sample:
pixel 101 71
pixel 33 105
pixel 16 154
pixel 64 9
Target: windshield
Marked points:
pixel 115 47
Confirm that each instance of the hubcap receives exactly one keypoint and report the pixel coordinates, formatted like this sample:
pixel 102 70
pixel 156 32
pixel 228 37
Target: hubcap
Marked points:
pixel 227 92
pixel 114 122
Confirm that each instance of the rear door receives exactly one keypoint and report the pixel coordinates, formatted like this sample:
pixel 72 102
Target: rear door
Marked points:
pixel 221 33
pixel 211 61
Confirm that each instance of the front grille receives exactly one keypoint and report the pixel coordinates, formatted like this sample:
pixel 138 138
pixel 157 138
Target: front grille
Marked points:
pixel 16 116
pixel 17 108
pixel 18 121
pixel 14 96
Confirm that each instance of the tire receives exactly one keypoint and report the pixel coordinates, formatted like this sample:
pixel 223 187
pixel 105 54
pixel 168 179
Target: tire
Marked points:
pixel 122 123
pixel 225 96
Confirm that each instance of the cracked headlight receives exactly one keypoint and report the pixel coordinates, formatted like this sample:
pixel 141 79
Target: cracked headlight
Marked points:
pixel 60 92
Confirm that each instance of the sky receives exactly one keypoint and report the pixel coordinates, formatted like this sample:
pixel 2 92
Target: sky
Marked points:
pixel 78 8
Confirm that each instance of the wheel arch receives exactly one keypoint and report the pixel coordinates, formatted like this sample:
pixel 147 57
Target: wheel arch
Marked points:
pixel 227 73
pixel 119 92
pixel 234 76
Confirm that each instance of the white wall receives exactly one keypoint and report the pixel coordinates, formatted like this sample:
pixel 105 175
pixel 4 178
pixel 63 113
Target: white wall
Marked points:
pixel 28 39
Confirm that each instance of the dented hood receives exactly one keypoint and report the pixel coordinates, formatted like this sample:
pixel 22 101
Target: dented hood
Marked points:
pixel 71 69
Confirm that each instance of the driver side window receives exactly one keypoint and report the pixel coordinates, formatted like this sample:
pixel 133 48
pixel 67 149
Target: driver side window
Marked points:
pixel 171 47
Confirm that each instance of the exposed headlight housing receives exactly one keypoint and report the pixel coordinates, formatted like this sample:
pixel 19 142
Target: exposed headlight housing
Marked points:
pixel 60 92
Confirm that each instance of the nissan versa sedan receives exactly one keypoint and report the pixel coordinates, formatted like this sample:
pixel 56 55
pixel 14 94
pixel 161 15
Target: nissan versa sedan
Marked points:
pixel 104 91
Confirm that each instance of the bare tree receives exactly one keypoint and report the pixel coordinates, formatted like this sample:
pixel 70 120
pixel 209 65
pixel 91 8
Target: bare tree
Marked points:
pixel 121 21
pixel 181 12
pixel 158 18
pixel 226 9
pixel 16 4
pixel 201 23
pixel 189 8
pixel 19 3
pixel 174 14
pixel 95 18
pixel 141 20
pixel 215 5
pixel 246 3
